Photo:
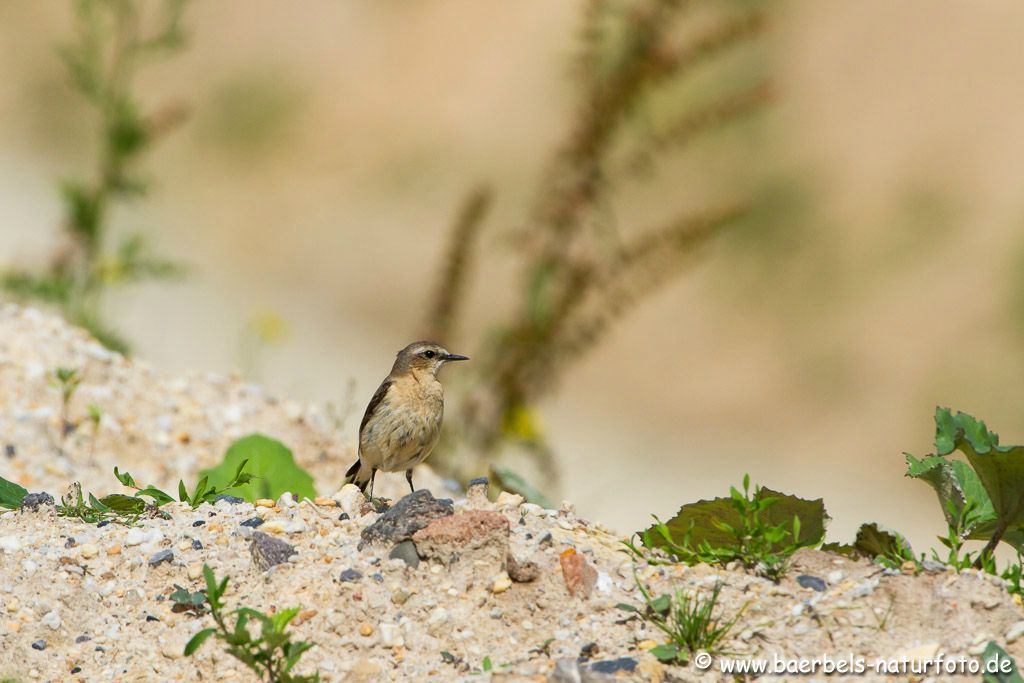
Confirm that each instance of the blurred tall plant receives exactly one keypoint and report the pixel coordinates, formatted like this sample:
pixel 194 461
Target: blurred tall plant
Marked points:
pixel 578 278
pixel 109 46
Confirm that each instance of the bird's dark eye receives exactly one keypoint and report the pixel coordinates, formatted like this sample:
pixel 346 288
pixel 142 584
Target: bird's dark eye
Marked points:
pixel 429 354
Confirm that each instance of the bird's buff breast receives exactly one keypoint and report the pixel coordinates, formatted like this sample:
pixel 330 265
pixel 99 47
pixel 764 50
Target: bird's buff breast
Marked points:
pixel 404 429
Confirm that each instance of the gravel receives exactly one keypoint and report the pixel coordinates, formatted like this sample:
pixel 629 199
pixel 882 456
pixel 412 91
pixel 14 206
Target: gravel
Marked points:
pixel 373 617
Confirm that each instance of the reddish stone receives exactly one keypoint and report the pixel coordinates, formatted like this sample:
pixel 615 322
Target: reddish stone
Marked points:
pixel 580 576
pixel 475 534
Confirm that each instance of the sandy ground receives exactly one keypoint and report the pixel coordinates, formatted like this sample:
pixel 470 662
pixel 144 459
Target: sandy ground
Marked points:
pixel 81 602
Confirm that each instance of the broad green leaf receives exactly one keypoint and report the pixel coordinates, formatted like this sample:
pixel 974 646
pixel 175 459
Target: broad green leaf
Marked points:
pixel 992 479
pixel 873 541
pixel 158 496
pixel 999 667
pixel 270 462
pixel 709 521
pixel 665 653
pixel 11 494
pixel 197 640
pixel 123 503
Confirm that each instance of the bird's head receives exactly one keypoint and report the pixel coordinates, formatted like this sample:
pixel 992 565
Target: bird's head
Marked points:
pixel 423 357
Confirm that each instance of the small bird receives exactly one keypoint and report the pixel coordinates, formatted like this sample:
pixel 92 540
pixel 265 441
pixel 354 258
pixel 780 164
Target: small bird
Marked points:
pixel 403 421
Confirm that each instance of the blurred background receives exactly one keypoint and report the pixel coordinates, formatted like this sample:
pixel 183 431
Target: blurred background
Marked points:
pixel 681 241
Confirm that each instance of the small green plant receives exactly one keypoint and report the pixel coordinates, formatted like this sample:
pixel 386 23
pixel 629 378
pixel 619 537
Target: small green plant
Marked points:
pixel 110 43
pixel 759 529
pixel 186 601
pixel 271 655
pixel 147 501
pixel 980 498
pixel 115 508
pixel 204 491
pixel 67 381
pixel 884 547
pixel 691 621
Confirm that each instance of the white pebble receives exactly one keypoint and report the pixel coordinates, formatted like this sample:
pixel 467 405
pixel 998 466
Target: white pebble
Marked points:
pixel 51 619
pixel 10 544
pixel 1015 632
pixel 835 577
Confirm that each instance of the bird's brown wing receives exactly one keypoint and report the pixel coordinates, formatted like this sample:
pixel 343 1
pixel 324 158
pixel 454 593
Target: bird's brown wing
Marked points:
pixel 378 396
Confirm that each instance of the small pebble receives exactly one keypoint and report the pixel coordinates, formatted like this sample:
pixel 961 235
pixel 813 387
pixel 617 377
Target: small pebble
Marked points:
pixel 160 557
pixel 406 551
pixel 502 582
pixel 197 544
pixel 365 630
pixel 1015 632
pixel 350 576
pixel 39 644
pixel 198 522
pixel 253 522
pixel 89 551
pixel 232 500
pixel 265 503
pixel 811 582
pixel 51 620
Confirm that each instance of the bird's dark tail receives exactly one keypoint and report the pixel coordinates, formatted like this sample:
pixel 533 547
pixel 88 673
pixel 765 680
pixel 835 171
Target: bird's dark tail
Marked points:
pixel 355 475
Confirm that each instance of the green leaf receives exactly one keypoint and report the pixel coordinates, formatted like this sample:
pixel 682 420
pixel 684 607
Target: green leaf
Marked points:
pixel 197 640
pixel 270 462
pixel 125 478
pixel 509 480
pixel 999 667
pixel 487 666
pixel 122 503
pixel 668 652
pixel 626 607
pixel 988 489
pixel 182 492
pixel 281 619
pixel 11 494
pixel 661 604
pixel 158 496
pixel 873 541
pixel 709 521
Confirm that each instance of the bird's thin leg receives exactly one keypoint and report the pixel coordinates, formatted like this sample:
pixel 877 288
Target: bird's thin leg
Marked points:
pixel 408 478
pixel 373 474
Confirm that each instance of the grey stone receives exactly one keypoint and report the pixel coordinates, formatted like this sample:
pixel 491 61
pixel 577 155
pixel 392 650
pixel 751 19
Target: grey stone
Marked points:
pixel 521 571
pixel 162 556
pixel 33 501
pixel 253 522
pixel 268 551
pixel 233 500
pixel 566 671
pixel 811 582
pixel 39 644
pixel 350 576
pixel 406 551
pixel 406 517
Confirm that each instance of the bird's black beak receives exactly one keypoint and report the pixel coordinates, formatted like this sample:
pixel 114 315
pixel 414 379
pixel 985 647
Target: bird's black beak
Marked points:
pixel 455 356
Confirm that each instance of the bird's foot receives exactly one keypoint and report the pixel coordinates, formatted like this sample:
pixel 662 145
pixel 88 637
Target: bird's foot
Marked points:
pixel 380 504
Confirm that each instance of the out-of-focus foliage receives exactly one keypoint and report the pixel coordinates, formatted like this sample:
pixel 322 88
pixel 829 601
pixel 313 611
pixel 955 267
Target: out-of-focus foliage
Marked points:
pixel 271 467
pixel 113 38
pixel 579 275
